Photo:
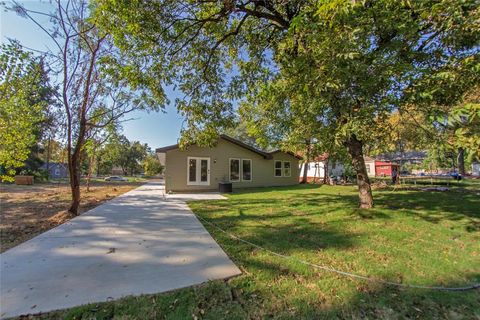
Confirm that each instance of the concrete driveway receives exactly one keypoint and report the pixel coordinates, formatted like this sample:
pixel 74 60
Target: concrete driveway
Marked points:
pixel 140 242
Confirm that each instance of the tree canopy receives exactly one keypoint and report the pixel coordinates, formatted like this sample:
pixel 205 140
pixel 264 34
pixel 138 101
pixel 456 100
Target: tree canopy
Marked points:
pixel 353 62
pixel 25 97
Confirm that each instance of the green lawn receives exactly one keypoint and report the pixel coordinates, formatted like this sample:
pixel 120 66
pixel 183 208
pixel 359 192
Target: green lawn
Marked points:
pixel 415 237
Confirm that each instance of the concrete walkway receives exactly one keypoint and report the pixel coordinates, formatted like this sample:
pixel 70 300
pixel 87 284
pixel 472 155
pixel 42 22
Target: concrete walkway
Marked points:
pixel 140 242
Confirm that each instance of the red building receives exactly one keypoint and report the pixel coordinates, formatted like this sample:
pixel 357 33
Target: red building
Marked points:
pixel 377 168
pixel 384 169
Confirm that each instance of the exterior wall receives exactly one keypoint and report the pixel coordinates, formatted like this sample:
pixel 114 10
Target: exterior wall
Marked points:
pixel 383 170
pixel 56 171
pixel 262 169
pixel 317 169
pixel 370 164
pixel 117 171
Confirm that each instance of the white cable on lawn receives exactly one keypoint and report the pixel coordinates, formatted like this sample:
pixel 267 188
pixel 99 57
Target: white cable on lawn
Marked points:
pixel 348 274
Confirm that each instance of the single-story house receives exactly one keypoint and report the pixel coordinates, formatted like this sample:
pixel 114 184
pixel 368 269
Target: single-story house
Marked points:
pixel 376 168
pixel 117 171
pixel 56 170
pixel 229 160
pixel 316 168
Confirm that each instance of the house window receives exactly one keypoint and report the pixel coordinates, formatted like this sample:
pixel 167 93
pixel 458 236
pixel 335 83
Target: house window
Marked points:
pixel 278 168
pixel 57 172
pixel 246 170
pixel 287 172
pixel 368 168
pixel 192 170
pixel 234 169
pixel 283 168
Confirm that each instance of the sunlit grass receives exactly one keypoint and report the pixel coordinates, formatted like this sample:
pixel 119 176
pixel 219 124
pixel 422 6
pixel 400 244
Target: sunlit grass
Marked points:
pixel 412 237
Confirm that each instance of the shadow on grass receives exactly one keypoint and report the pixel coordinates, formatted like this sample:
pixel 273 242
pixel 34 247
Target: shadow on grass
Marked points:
pixel 432 207
pixel 299 235
pixel 368 300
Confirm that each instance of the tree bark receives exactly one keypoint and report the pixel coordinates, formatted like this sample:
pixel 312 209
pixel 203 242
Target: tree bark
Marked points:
pixel 461 161
pixel 354 147
pixel 307 161
pixel 326 174
pixel 305 172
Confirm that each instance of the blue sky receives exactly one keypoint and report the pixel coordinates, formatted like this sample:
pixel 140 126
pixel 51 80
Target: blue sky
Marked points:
pixel 156 129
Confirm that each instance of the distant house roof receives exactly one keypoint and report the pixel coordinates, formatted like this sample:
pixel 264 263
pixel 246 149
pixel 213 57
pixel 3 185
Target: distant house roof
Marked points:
pixel 403 156
pixel 385 163
pixel 53 165
pixel 264 154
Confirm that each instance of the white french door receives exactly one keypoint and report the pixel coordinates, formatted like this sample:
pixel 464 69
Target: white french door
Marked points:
pixel 198 171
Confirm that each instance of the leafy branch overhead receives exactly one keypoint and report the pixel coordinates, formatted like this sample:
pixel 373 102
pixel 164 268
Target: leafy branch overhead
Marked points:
pixel 344 65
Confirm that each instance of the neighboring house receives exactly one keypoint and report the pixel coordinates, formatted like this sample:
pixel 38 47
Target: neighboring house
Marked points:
pixel 117 171
pixel 406 157
pixel 230 160
pixel 56 170
pixel 370 165
pixel 316 168
pixel 476 168
pixel 377 168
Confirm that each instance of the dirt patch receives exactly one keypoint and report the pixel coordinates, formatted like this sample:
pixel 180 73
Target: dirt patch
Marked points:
pixel 26 211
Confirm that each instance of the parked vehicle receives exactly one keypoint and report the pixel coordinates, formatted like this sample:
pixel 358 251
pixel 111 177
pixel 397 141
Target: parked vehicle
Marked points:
pixel 455 175
pixel 115 178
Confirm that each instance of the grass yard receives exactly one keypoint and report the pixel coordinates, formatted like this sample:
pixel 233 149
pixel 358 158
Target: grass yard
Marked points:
pixel 27 211
pixel 414 237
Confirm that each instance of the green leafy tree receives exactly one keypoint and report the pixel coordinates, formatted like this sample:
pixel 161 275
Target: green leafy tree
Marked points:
pixel 119 151
pixel 93 95
pixel 358 60
pixel 93 143
pixel 25 96
pixel 152 166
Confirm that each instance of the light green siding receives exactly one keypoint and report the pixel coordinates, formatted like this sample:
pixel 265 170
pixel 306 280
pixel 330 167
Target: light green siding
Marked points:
pixel 262 169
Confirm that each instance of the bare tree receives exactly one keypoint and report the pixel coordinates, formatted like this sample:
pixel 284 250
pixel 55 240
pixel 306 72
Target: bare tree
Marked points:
pixel 92 97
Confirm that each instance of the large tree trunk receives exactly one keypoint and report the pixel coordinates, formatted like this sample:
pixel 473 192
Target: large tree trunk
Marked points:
pixel 354 147
pixel 326 173
pixel 461 161
pixel 305 172
pixel 307 161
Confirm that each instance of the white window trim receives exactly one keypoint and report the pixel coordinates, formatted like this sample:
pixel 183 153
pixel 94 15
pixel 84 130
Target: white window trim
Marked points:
pixel 283 169
pixel 275 168
pixel 198 183
pixel 230 169
pixel 251 170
